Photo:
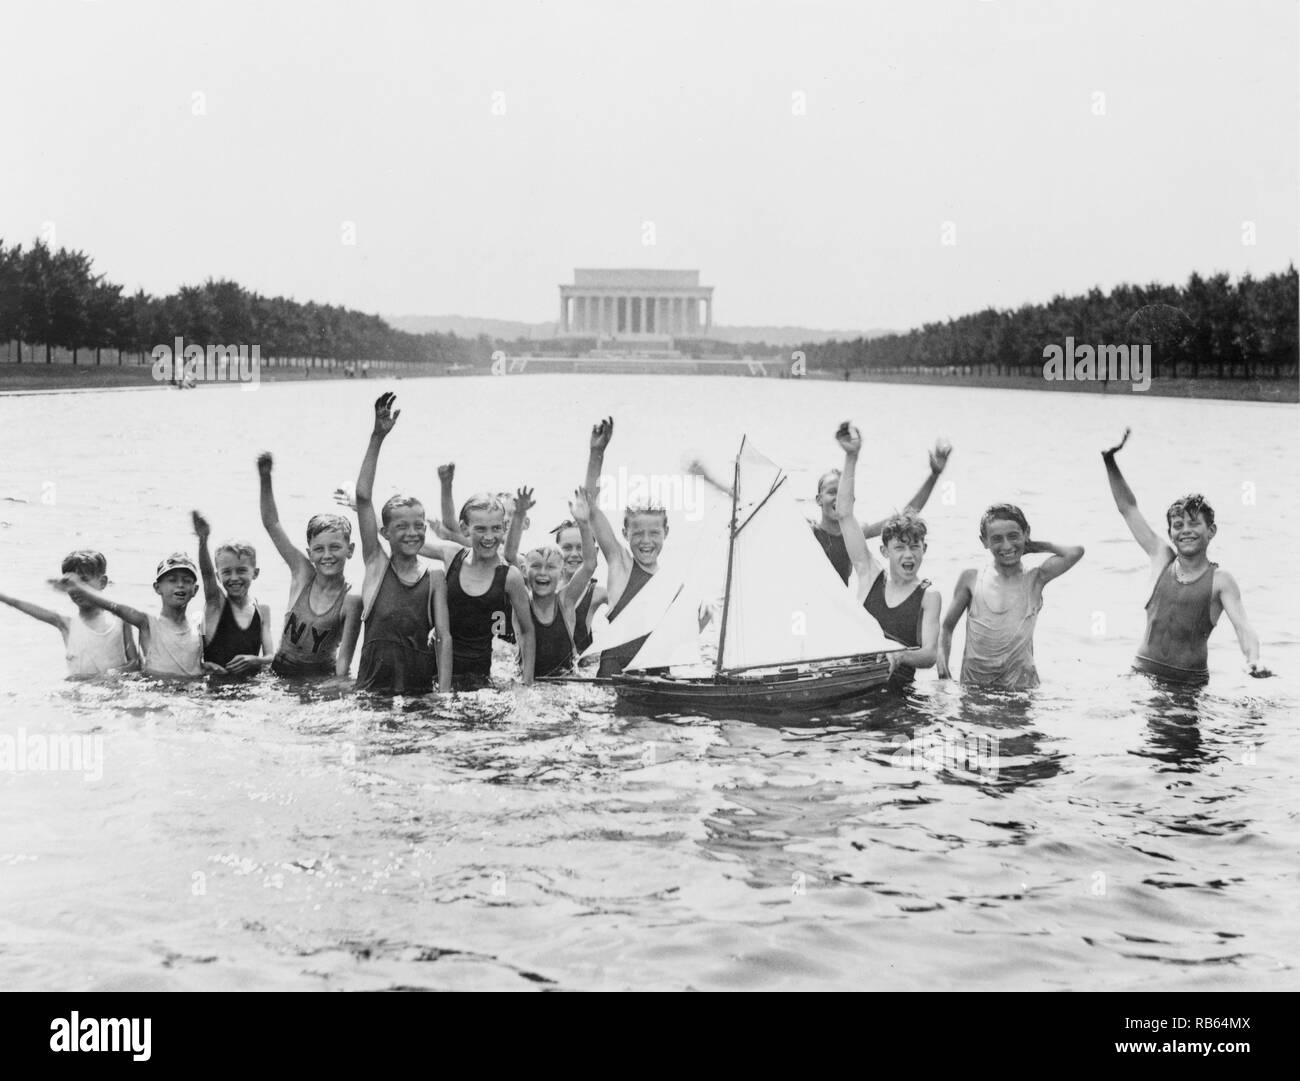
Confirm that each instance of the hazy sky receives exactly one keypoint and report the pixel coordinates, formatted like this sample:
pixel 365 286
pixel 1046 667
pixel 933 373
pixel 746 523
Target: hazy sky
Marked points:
pixel 804 157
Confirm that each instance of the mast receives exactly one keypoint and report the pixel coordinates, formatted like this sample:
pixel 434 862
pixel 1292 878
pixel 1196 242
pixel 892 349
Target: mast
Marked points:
pixel 731 555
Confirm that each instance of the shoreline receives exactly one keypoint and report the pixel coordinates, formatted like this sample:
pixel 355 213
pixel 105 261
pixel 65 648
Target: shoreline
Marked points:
pixel 29 379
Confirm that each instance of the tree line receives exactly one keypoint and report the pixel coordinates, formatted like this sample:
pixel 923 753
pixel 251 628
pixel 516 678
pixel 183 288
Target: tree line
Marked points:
pixel 55 299
pixel 1210 328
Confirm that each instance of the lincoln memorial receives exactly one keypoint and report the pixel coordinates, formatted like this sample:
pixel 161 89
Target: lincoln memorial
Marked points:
pixel 636 305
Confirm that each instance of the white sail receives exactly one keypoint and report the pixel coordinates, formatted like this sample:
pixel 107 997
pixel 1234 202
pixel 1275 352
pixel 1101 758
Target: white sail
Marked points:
pixel 787 603
pixel 642 614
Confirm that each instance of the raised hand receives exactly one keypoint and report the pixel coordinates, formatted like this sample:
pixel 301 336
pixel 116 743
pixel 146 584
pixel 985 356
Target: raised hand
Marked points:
pixel 1118 446
pixel 201 528
pixel 385 415
pixel 939 456
pixel 602 433
pixel 580 505
pixel 346 496
pixel 264 464
pixel 524 501
pixel 848 437
pixel 447 472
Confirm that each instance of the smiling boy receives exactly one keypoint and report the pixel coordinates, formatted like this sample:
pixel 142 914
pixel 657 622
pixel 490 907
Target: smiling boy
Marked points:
pixel 236 629
pixel 1188 592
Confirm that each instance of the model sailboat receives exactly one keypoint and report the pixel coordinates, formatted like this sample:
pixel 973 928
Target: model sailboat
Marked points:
pixel 791 636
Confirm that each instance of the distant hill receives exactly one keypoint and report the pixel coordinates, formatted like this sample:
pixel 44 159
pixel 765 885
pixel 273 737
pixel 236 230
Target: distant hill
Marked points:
pixel 470 327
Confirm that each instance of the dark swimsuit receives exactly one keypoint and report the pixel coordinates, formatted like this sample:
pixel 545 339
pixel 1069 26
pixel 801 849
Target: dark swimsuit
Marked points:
pixel 581 634
pixel 613 661
pixel 395 657
pixel 833 545
pixel 1175 645
pixel 229 640
pixel 553 655
pixel 901 624
pixel 473 622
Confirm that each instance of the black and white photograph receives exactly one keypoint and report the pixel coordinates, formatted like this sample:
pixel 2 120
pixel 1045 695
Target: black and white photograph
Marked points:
pixel 572 496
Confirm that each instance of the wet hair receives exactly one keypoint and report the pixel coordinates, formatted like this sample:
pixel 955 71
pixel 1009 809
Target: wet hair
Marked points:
pixel 1189 506
pixel 638 509
pixel 325 523
pixel 907 527
pixel 545 551
pixel 85 562
pixel 1008 511
pixel 241 550
pixel 482 501
pixel 397 501
pixel 821 481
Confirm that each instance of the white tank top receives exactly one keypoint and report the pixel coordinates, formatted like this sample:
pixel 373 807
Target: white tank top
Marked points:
pixel 92 652
pixel 174 649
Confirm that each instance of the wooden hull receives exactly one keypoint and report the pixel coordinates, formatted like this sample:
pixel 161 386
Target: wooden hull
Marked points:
pixel 786 690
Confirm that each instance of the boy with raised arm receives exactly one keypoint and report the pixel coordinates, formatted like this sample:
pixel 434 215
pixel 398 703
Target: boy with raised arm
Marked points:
pixel 630 567
pixel 323 619
pixel 1004 601
pixel 900 601
pixel 95 642
pixel 403 599
pixel 553 599
pixel 1188 592
pixel 236 629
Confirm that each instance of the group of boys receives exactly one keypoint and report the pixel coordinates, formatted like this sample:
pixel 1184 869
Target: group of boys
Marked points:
pixel 431 607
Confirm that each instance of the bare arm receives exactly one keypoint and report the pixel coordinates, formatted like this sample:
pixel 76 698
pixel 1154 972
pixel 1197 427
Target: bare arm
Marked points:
pixel 924 655
pixel 70 583
pixel 854 541
pixel 601 434
pixel 523 504
pixel 1062 558
pixel 961 598
pixel 442 630
pixel 1230 597
pixel 348 636
pixel 447 506
pixel 580 508
pixel 213 595
pixel 938 462
pixel 385 418
pixel 696 468
pixel 1157 549
pixel 298 562
pixel 36 612
pixel 518 594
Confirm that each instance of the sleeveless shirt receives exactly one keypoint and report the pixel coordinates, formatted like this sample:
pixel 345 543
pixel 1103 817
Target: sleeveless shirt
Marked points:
pixel 310 642
pixel 833 545
pixel 90 652
pixel 474 620
pixel 614 660
pixel 174 650
pixel 901 624
pixel 1175 644
pixel 553 653
pixel 229 640
pixel 396 658
pixel 1000 642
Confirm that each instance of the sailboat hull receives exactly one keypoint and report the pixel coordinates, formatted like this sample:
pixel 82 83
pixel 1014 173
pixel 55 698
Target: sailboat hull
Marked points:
pixel 778 690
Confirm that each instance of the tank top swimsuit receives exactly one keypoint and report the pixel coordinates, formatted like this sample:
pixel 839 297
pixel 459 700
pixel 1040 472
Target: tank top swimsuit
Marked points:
pixel 229 640
pixel 175 650
pixel 396 658
pixel 553 655
pixel 1175 645
pixel 474 621
pixel 614 660
pixel 901 624
pixel 92 652
pixel 1000 641
pixel 310 642
pixel 833 545
pixel 581 633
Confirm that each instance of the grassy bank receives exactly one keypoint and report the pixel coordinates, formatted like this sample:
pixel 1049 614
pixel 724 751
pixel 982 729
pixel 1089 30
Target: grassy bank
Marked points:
pixel 54 377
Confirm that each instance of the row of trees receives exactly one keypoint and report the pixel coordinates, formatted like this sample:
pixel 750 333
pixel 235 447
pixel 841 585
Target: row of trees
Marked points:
pixel 1210 328
pixel 55 299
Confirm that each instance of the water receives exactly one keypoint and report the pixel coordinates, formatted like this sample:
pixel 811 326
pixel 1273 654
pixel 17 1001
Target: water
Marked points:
pixel 256 838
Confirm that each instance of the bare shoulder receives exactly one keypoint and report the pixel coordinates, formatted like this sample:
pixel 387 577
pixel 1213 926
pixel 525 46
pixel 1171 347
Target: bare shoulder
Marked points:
pixel 966 580
pixel 1223 582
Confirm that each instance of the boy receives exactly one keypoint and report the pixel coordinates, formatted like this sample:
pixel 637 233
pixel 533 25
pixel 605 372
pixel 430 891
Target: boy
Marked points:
pixel 170 646
pixel 554 599
pixel 1004 602
pixel 236 629
pixel 402 599
pixel 96 643
pixel 630 567
pixel 324 618
pixel 1188 592
pixel 901 602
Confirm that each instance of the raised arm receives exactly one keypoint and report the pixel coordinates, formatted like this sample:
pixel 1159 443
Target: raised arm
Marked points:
pixel 938 463
pixel 580 509
pixel 961 598
pixel 385 418
pixel 298 562
pixel 213 595
pixel 1158 550
pixel 1230 597
pixel 447 506
pixel 70 584
pixel 855 542
pixel 1061 559
pixel 696 468
pixel 601 434
pixel 36 612
pixel 523 504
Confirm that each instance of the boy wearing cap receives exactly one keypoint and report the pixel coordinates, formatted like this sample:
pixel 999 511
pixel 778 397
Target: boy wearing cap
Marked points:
pixel 171 646
pixel 96 643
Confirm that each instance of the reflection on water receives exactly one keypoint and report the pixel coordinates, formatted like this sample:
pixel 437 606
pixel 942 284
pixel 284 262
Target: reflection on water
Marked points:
pixel 1096 832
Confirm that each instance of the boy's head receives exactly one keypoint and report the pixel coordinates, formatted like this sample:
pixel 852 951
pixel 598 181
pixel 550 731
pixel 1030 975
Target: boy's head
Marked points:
pixel 544 569
pixel 329 543
pixel 828 487
pixel 645 528
pixel 902 542
pixel 236 568
pixel 91 567
pixel 403 524
pixel 176 580
pixel 1004 531
pixel 1191 524
pixel 568 540
pixel 483 520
